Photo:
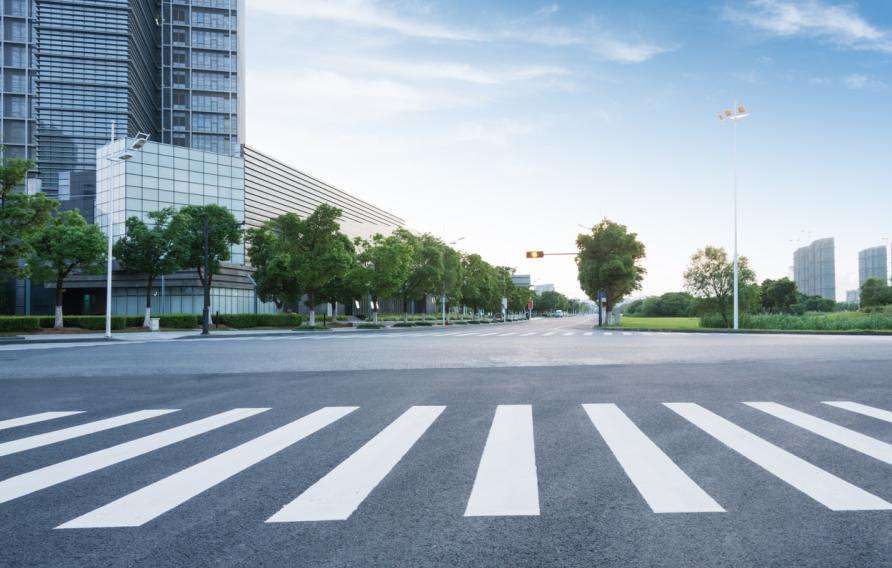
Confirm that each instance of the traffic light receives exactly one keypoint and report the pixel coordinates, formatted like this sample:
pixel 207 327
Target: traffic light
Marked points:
pixel 535 254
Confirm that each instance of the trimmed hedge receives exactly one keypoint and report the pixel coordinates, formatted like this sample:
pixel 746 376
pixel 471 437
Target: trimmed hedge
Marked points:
pixel 19 323
pixel 180 321
pixel 423 323
pixel 783 322
pixel 405 324
pixel 242 321
pixel 369 326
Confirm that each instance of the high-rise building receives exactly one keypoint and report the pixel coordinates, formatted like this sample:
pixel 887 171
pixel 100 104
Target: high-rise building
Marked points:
pixel 814 269
pixel 169 68
pixel 203 74
pixel 872 264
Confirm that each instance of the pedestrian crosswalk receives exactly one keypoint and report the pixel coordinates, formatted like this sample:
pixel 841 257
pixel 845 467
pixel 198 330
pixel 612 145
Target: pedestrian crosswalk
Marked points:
pixel 507 482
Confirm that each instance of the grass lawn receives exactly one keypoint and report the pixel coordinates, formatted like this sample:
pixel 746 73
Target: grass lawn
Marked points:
pixel 662 323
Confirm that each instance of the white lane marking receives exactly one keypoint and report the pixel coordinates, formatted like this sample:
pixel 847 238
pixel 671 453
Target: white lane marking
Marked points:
pixel 588 333
pixel 507 334
pixel 627 333
pixel 56 436
pixel 822 486
pixel 488 334
pixel 549 334
pixel 665 487
pixel 142 506
pixel 469 334
pixel 506 482
pixel 48 476
pixel 340 492
pixel 569 333
pixel 34 418
pixel 646 333
pixel 527 334
pixel 871 411
pixel 608 333
pixel 833 432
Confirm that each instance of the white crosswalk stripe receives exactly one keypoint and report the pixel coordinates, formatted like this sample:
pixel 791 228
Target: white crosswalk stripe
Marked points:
pixel 506 483
pixel 38 479
pixel 56 436
pixel 569 333
pixel 337 495
pixel 148 503
pixel 665 487
pixel 34 418
pixel 588 333
pixel 877 413
pixel 510 333
pixel 527 334
pixel 549 334
pixel 822 486
pixel 848 438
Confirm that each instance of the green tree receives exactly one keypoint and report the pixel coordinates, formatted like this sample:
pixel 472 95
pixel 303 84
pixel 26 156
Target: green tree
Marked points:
pixel 273 253
pixel 223 231
pixel 323 254
pixel 609 261
pixel 65 243
pixel 20 216
pixel 453 275
pixel 779 296
pixel 710 277
pixel 425 267
pixel 382 268
pixel 550 301
pixel 875 292
pixel 152 251
pixel 474 281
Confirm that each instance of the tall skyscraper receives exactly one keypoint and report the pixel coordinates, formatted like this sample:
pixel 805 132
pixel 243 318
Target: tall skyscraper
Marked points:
pixel 169 68
pixel 872 264
pixel 814 269
pixel 203 74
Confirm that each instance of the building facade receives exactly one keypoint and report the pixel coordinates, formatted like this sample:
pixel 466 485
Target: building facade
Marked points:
pixel 872 263
pixel 814 269
pixel 18 126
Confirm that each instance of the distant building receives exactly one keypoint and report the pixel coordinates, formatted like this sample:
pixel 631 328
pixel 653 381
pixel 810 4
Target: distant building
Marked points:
pixel 814 269
pixel 853 296
pixel 872 264
pixel 540 288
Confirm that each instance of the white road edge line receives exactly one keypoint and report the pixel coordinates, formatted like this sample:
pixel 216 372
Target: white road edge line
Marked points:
pixel 665 487
pixel 506 482
pixel 342 490
pixel 822 486
pixel 140 507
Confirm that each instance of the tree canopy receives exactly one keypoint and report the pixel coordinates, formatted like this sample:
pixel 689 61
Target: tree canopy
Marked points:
pixel 710 277
pixel 609 261
pixel 875 292
pixel 223 233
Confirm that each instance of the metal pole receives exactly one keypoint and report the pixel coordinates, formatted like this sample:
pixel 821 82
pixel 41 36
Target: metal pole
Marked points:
pixel 162 295
pixel 205 311
pixel 110 229
pixel 736 264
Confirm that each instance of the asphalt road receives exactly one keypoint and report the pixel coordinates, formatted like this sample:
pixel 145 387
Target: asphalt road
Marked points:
pixel 439 448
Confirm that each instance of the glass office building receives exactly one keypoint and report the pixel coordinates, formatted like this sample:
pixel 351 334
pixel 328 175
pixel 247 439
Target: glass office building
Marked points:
pixel 203 75
pixel 814 269
pixel 17 128
pixel 873 263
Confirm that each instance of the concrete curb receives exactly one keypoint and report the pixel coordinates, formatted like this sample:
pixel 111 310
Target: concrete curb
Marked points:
pixel 20 340
pixel 750 331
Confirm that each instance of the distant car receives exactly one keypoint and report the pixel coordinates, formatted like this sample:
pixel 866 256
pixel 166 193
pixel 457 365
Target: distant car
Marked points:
pixel 559 313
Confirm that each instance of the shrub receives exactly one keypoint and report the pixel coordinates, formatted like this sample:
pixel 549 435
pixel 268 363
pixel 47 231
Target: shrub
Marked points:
pixel 404 324
pixel 458 322
pixel 180 321
pixel 472 322
pixel 369 326
pixel 19 323
pixel 242 321
pixel 821 322
pixel 342 318
pixel 424 323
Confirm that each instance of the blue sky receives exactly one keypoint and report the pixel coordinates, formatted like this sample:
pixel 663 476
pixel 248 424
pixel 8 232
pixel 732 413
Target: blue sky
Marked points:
pixel 510 123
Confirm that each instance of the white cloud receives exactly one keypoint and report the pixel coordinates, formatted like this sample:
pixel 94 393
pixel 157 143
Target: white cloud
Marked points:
pixel 361 13
pixel 450 71
pixel 859 82
pixel 839 24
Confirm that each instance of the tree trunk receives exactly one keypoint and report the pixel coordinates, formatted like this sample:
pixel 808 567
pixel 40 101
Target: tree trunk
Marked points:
pixel 311 302
pixel 58 323
pixel 375 310
pixel 146 322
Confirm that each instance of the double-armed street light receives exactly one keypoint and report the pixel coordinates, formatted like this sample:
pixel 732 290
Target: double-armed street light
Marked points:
pixel 735 116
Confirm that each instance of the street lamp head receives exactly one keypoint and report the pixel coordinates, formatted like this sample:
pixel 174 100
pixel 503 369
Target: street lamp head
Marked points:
pixel 139 141
pixel 728 113
pixel 741 110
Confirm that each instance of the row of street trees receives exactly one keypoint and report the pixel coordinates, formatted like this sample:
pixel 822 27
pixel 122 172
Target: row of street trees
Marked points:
pixel 40 242
pixel 296 258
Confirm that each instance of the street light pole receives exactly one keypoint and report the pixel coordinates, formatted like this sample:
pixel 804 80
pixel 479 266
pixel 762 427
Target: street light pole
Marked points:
pixel 443 297
pixel 735 116
pixel 110 230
